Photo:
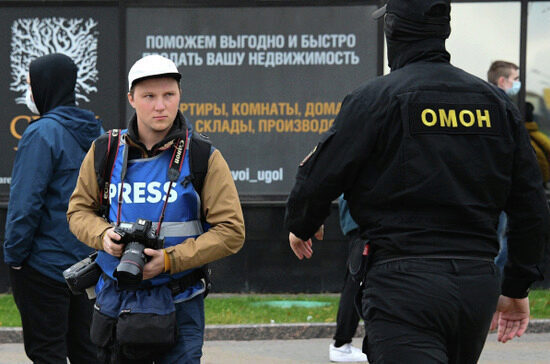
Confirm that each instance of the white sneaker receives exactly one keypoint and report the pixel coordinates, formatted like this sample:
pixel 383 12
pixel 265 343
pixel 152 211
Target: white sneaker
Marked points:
pixel 346 353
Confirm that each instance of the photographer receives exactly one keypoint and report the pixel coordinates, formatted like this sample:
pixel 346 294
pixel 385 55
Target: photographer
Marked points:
pixel 145 183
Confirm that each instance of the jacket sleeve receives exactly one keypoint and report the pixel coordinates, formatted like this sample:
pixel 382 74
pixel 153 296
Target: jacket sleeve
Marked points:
pixel 528 218
pixel 32 171
pixel 330 169
pixel 82 215
pixel 222 210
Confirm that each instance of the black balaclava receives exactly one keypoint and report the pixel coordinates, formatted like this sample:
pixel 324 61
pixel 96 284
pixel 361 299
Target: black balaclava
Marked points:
pixel 416 29
pixel 53 80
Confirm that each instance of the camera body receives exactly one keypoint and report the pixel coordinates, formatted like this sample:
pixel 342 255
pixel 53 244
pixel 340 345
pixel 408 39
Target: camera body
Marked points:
pixel 83 274
pixel 136 236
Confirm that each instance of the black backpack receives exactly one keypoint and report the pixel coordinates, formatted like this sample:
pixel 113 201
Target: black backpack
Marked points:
pixel 106 149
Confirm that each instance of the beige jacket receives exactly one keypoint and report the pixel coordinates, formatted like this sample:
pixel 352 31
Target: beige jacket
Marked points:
pixel 220 206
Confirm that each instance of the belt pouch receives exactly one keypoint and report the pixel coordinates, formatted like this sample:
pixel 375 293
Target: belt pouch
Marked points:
pixel 146 324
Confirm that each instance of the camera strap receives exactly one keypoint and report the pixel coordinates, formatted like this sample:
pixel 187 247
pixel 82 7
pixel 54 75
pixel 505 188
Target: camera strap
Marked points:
pixel 122 175
pixel 174 171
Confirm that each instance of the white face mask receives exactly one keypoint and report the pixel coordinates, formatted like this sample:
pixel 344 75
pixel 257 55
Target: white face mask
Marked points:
pixel 516 86
pixel 30 103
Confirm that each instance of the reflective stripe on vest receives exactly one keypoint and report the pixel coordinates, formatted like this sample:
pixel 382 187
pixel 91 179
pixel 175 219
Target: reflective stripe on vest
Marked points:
pixel 176 229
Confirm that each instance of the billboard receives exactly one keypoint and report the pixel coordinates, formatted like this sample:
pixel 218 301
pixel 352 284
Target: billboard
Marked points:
pixel 88 35
pixel 263 83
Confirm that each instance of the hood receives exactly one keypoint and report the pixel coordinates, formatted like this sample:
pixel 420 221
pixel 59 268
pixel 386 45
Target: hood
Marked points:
pixel 81 124
pixel 176 131
pixel 416 31
pixel 53 80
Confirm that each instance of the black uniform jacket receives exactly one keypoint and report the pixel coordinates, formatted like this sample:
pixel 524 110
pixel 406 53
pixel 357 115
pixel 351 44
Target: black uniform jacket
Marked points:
pixel 428 156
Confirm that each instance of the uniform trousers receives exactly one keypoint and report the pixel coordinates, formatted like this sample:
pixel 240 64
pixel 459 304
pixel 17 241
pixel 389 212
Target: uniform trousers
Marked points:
pixel 428 310
pixel 56 323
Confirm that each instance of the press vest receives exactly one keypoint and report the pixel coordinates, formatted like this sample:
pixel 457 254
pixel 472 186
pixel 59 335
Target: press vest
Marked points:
pixel 144 191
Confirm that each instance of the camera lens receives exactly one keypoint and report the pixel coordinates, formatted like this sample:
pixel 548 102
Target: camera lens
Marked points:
pixel 129 272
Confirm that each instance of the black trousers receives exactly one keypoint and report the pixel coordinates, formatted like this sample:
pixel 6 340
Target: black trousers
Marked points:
pixel 429 310
pixel 56 323
pixel 347 318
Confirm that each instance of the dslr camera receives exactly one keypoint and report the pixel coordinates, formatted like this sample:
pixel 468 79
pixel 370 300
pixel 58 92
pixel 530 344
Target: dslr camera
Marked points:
pixel 136 236
pixel 83 275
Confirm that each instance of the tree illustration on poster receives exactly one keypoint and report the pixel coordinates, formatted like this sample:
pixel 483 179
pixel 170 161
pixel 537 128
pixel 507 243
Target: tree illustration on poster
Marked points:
pixel 89 35
pixel 35 37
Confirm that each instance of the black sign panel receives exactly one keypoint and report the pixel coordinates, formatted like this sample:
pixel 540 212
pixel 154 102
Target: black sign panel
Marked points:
pixel 263 83
pixel 87 35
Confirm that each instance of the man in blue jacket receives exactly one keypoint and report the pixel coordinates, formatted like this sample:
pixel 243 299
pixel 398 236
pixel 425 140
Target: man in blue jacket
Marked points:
pixel 38 244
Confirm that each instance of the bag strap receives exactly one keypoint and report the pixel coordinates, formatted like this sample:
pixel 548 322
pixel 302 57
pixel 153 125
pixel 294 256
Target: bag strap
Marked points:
pixel 106 151
pixel 200 149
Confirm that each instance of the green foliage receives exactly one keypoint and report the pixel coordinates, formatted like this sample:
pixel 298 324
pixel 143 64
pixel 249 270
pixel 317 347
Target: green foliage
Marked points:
pixel 248 309
pixel 539 302
pixel 9 315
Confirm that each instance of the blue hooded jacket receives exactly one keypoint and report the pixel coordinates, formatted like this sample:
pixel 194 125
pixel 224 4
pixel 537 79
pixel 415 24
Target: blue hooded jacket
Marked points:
pixel 44 175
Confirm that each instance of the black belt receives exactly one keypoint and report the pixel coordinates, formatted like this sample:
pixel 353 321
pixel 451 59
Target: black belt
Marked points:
pixel 406 257
pixel 179 285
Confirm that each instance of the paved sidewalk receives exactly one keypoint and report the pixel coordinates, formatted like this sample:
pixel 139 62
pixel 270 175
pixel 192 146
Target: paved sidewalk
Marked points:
pixel 266 331
pixel 531 348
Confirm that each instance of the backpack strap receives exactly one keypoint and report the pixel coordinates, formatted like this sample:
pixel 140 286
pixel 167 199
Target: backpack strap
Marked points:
pixel 200 149
pixel 106 150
